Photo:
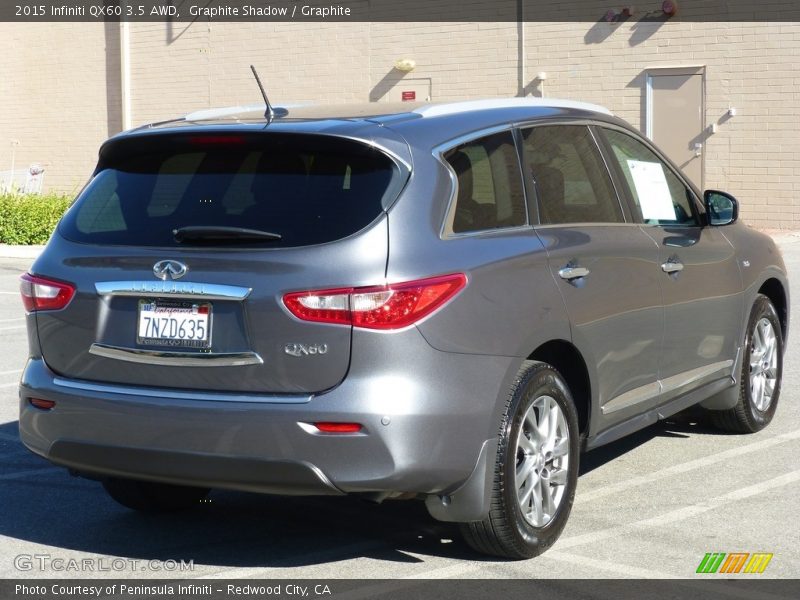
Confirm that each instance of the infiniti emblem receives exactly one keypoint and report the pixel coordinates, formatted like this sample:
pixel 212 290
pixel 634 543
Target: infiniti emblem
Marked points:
pixel 169 269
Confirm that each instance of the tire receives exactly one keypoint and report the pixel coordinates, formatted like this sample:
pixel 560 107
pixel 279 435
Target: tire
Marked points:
pixel 149 496
pixel 511 531
pixel 755 408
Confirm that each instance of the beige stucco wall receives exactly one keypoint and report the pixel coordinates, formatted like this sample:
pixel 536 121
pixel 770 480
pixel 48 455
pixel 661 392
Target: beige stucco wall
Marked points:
pixel 61 86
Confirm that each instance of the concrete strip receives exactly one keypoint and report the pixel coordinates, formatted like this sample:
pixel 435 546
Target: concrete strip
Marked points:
pixel 12 251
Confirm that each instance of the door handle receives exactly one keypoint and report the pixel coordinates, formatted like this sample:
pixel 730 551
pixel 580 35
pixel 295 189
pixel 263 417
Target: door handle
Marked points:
pixel 569 273
pixel 672 267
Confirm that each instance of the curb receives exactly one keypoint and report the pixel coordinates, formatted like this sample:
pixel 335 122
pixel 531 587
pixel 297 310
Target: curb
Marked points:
pixel 9 251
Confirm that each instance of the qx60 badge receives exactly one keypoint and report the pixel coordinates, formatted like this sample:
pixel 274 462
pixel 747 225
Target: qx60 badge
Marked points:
pixel 294 349
pixel 169 269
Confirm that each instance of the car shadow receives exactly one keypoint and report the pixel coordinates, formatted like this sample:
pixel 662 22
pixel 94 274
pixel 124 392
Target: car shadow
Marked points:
pixel 685 424
pixel 45 505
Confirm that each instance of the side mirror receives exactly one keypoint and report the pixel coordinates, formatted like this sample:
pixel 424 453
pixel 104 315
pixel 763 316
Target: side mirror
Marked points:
pixel 721 208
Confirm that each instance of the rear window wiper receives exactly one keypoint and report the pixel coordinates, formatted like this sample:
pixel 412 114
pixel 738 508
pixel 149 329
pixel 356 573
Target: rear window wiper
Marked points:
pixel 219 233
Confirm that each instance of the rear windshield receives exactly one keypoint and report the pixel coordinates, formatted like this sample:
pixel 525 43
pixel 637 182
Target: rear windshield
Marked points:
pixel 307 190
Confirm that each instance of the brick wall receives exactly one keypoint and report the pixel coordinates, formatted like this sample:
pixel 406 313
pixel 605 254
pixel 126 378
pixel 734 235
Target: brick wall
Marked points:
pixel 61 93
pixel 59 96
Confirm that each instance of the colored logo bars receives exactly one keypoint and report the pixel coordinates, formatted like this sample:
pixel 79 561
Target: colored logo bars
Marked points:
pixel 734 562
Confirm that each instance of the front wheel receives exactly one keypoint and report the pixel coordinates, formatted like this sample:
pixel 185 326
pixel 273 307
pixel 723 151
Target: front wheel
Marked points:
pixel 762 368
pixel 536 471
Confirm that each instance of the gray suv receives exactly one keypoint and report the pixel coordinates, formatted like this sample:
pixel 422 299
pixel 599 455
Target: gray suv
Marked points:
pixel 447 302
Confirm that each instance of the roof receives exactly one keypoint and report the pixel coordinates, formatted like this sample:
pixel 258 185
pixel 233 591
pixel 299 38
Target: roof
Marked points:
pixel 375 111
pixel 399 128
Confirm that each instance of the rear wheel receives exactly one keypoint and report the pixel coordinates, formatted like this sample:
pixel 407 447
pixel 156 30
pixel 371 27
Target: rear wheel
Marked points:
pixel 149 496
pixel 536 470
pixel 762 368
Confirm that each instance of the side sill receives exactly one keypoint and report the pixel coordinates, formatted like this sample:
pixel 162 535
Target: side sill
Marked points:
pixel 658 413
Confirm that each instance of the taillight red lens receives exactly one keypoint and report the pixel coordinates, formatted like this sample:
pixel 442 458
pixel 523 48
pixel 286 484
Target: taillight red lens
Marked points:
pixel 338 427
pixel 42 404
pixel 217 140
pixel 40 293
pixel 383 307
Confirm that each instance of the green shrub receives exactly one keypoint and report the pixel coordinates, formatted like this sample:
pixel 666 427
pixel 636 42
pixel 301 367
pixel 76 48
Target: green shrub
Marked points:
pixel 30 219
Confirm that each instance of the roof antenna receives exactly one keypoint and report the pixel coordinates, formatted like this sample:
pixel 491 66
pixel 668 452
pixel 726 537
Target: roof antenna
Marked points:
pixel 269 114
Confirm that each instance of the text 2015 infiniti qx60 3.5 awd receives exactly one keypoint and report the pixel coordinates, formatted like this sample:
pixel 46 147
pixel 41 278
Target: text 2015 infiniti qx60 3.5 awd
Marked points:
pixel 442 301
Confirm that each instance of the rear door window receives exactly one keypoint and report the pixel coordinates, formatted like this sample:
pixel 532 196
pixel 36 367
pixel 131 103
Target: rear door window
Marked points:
pixel 571 181
pixel 309 190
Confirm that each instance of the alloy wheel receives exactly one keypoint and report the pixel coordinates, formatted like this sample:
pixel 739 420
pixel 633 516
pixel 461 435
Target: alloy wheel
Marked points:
pixel 542 461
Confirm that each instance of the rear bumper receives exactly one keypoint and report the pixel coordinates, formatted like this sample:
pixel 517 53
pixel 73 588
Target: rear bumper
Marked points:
pixel 424 425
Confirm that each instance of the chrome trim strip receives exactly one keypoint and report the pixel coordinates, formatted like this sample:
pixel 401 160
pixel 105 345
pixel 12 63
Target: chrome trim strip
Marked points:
pixel 687 378
pixel 665 386
pixel 178 359
pixel 634 396
pixel 86 386
pixel 173 289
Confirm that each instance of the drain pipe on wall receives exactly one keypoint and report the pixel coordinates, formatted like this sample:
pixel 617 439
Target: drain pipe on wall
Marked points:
pixel 521 48
pixel 125 72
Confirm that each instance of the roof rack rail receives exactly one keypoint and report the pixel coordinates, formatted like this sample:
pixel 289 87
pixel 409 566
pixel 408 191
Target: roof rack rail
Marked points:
pixel 247 110
pixel 452 108
pixel 226 111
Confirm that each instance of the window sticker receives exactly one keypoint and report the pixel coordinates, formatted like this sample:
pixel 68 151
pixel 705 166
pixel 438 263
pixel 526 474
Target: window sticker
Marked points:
pixel 655 199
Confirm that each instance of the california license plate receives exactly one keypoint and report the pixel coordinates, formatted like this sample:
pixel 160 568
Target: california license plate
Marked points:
pixel 174 323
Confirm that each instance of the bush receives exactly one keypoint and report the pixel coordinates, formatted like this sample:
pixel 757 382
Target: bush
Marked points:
pixel 30 219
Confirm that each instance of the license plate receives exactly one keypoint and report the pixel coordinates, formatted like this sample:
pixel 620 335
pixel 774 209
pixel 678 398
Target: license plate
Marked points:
pixel 174 323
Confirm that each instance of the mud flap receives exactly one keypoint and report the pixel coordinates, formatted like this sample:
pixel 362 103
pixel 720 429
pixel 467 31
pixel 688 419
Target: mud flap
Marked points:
pixel 471 501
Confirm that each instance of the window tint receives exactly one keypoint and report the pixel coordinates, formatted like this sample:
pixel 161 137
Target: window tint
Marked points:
pixel 662 199
pixel 309 191
pixel 571 181
pixel 490 193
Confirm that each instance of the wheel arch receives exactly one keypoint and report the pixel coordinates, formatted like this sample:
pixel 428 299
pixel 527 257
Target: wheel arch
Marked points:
pixel 773 289
pixel 568 360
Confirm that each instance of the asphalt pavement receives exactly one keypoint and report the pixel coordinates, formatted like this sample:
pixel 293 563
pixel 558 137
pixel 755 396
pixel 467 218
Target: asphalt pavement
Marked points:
pixel 650 506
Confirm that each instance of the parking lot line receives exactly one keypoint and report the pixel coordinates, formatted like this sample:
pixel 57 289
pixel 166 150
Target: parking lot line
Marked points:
pixel 680 513
pixel 698 463
pixel 30 472
pixel 13 328
pixel 11 372
pixel 9 438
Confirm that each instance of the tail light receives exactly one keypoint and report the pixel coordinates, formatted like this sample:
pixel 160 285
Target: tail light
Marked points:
pixel 40 293
pixel 383 307
pixel 330 427
pixel 42 404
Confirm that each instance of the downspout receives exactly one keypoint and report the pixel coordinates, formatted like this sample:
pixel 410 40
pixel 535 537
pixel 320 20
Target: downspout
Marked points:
pixel 125 72
pixel 520 49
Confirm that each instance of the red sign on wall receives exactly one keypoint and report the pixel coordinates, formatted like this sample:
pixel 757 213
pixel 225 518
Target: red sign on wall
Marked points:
pixel 409 96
